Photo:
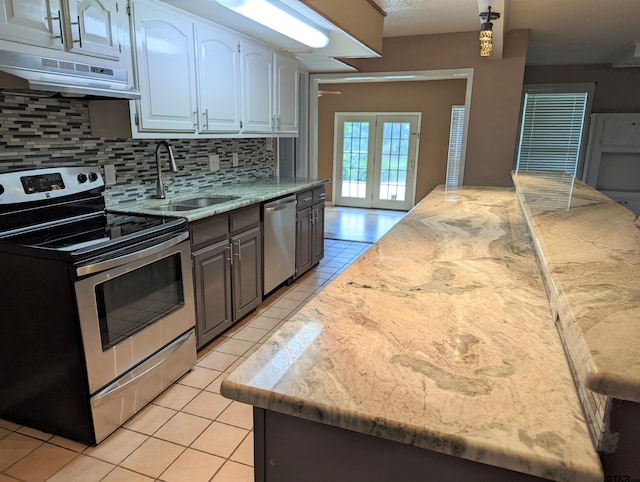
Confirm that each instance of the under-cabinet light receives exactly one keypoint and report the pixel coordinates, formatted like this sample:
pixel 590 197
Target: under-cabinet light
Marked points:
pixel 272 15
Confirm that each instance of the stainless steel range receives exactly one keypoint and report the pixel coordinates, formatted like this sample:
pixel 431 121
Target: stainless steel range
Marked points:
pixel 97 312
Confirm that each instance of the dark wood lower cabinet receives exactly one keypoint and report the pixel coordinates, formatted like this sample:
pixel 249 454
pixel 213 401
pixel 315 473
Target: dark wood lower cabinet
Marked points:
pixel 291 449
pixel 309 230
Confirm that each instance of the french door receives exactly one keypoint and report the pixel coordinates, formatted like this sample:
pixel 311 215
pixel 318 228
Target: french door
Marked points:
pixel 375 160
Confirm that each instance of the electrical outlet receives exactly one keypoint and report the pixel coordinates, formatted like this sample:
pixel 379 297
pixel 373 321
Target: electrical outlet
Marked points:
pixel 214 162
pixel 109 174
pixel 234 158
pixel 269 144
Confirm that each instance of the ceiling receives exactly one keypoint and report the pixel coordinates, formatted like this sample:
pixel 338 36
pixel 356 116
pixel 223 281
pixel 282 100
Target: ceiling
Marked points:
pixel 561 31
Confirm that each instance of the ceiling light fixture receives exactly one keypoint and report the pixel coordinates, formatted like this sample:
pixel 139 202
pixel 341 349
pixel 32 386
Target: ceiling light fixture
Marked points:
pixel 486 31
pixel 276 16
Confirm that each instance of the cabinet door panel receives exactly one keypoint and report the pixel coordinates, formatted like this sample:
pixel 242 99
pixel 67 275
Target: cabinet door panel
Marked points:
pixel 93 28
pixel 247 279
pixel 257 64
pixel 212 276
pixel 286 94
pixel 166 72
pixel 303 241
pixel 317 236
pixel 33 22
pixel 218 80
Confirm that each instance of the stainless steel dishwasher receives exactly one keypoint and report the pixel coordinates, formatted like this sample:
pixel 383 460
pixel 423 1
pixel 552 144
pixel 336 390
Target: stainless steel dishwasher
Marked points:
pixel 279 234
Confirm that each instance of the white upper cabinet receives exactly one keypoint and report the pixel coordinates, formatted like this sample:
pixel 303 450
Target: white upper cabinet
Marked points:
pixel 85 27
pixel 219 92
pixel 166 70
pixel 257 88
pixel 286 95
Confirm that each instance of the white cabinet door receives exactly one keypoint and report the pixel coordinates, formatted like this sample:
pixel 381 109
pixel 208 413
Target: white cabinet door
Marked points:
pixel 219 84
pixel 33 22
pixel 621 130
pixel 257 74
pixel 286 94
pixel 93 27
pixel 166 69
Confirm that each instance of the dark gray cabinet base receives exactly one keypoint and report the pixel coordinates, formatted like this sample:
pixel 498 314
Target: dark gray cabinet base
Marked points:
pixel 291 449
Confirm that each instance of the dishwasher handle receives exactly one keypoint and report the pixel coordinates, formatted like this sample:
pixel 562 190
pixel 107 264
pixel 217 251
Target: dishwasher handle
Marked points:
pixel 280 205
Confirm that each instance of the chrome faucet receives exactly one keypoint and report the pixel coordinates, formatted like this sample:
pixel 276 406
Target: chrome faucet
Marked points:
pixel 159 185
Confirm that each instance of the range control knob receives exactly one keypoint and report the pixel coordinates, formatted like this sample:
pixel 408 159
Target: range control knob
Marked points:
pixel 82 178
pixel 93 177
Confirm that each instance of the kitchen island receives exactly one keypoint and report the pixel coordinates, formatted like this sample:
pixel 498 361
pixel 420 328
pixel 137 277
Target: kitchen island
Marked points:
pixel 433 357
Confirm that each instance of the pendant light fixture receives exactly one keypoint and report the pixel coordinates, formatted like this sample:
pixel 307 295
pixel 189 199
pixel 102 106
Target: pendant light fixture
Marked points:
pixel 486 31
pixel 276 16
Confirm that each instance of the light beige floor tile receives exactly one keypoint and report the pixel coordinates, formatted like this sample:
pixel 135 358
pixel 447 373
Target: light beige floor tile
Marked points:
pixel 41 464
pixel 193 466
pixel 199 377
pixel 82 468
pixel 182 429
pixel 176 396
pixel 277 312
pixel 207 405
pixel 14 447
pixel 4 432
pixel 6 478
pixel 33 433
pixel 296 295
pixel 217 361
pixel 152 457
pixel 215 385
pixel 249 334
pixel 68 444
pixel 286 304
pixel 244 452
pixel 150 419
pixel 117 446
pixel 264 322
pixel 234 346
pixel 240 361
pixel 234 472
pixel 123 475
pixel 252 349
pixel 220 439
pixel 238 414
pixel 9 425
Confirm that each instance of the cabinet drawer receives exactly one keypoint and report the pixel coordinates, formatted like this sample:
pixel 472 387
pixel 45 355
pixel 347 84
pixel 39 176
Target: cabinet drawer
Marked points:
pixel 304 199
pixel 209 229
pixel 244 219
pixel 319 194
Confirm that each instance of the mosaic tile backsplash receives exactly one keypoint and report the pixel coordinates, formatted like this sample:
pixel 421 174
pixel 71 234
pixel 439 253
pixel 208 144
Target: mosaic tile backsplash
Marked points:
pixel 47 132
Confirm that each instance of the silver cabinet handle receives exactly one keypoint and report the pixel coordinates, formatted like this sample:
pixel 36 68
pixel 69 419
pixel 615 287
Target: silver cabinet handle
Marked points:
pixel 230 253
pixel 205 114
pixel 238 252
pixel 59 19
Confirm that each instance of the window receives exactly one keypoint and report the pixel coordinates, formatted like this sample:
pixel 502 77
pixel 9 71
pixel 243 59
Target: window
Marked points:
pixel 454 159
pixel 553 128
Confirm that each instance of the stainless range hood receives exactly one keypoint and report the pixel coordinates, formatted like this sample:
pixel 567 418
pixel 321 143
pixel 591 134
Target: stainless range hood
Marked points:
pixel 19 72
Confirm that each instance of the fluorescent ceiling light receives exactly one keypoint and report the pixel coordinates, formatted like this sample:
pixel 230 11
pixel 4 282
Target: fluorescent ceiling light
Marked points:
pixel 271 15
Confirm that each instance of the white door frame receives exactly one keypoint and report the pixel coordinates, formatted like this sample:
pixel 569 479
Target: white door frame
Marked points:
pixel 374 148
pixel 407 76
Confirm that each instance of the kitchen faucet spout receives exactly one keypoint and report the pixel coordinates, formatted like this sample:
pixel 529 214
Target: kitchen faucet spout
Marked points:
pixel 174 168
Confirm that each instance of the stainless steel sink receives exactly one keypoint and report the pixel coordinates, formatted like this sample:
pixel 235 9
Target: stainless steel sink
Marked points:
pixel 193 203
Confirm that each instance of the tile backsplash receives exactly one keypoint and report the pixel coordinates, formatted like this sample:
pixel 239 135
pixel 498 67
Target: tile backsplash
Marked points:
pixel 47 132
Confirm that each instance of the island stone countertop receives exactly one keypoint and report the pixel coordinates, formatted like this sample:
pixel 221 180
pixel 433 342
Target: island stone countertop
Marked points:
pixel 440 336
pixel 240 195
pixel 589 250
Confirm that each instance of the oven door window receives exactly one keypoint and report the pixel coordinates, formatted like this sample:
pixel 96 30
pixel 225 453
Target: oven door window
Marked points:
pixel 135 300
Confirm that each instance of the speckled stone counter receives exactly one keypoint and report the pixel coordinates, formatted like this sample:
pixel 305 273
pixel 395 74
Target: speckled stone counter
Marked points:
pixel 439 337
pixel 241 195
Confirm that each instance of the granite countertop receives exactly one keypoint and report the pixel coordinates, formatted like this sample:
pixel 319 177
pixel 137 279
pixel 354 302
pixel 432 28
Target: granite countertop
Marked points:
pixel 440 336
pixel 241 194
pixel 589 247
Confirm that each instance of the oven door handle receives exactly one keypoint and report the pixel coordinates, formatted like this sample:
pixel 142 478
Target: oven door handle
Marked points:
pixel 128 258
pixel 142 369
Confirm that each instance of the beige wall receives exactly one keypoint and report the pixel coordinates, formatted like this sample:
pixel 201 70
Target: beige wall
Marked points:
pixel 617 90
pixel 433 98
pixel 495 102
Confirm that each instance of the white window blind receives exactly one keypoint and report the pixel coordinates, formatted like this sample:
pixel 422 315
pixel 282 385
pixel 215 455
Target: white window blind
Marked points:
pixel 551 133
pixel 454 168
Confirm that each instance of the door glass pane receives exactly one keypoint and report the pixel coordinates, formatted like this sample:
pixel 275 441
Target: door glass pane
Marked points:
pixel 133 301
pixel 355 153
pixel 394 160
